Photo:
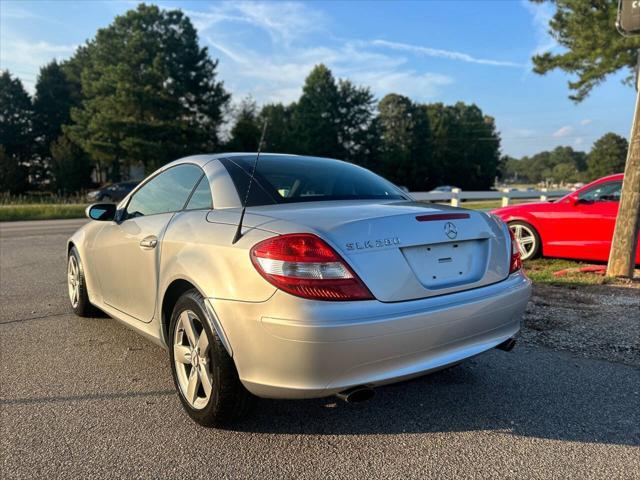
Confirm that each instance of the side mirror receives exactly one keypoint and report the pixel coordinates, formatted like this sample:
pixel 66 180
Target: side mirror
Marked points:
pixel 573 200
pixel 103 212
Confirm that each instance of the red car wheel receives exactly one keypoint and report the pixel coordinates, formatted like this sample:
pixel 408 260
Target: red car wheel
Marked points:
pixel 528 239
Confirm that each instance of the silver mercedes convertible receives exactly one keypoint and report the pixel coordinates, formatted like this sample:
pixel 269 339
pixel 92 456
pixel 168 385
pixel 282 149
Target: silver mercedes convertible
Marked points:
pixel 295 277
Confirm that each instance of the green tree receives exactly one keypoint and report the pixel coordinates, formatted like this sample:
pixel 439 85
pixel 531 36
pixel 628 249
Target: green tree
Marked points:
pixel 564 173
pixel 52 105
pixel 463 139
pixel 150 92
pixel 246 130
pixel 404 137
pixel 607 156
pixel 563 164
pixel 279 136
pixel 594 49
pixel 16 134
pixel 315 121
pixel 70 166
pixel 357 135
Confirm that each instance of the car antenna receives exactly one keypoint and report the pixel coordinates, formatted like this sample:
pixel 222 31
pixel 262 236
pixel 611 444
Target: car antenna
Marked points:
pixel 238 234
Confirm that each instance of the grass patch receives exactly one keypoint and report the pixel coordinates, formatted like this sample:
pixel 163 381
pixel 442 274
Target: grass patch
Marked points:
pixel 41 211
pixel 541 271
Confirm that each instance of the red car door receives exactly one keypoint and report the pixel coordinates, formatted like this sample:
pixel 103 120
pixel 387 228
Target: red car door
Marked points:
pixel 591 217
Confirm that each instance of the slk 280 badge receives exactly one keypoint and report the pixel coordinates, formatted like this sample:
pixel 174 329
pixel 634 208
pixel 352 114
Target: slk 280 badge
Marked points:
pixel 378 243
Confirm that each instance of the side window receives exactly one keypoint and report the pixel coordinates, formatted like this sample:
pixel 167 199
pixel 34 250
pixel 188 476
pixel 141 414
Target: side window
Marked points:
pixel 605 192
pixel 167 192
pixel 201 198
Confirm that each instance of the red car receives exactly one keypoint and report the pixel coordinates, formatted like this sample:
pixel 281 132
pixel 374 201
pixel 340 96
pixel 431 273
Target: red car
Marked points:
pixel 579 225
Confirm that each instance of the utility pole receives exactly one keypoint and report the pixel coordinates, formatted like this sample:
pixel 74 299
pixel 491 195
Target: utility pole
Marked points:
pixel 625 236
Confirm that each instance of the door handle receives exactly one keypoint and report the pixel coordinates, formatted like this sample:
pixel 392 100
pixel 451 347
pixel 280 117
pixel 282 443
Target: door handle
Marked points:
pixel 149 242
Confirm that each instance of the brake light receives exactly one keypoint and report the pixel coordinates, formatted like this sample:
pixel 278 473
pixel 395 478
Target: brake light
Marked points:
pixel 304 265
pixel 516 258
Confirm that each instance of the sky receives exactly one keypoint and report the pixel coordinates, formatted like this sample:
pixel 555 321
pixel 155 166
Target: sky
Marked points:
pixel 431 51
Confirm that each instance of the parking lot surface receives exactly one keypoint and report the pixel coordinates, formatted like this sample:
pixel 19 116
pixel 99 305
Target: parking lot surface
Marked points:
pixel 89 398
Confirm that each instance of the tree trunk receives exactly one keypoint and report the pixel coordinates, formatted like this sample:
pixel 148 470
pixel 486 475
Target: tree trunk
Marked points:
pixel 625 237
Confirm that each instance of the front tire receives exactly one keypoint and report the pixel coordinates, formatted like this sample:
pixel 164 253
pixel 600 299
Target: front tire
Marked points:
pixel 203 372
pixel 77 286
pixel 528 239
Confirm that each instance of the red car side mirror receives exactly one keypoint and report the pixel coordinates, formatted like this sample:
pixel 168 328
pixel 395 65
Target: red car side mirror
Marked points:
pixel 573 201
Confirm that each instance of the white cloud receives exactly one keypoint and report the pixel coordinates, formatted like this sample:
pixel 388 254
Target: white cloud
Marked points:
pixel 578 141
pixel 24 58
pixel 282 21
pixel 449 54
pixel 279 77
pixel 541 14
pixel 586 121
pixel 563 131
pixel 274 70
pixel 27 53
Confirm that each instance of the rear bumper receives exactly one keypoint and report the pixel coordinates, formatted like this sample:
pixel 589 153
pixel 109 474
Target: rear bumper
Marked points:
pixel 288 347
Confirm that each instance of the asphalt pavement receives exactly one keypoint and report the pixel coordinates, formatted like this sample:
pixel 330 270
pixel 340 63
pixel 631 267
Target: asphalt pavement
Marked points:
pixel 89 398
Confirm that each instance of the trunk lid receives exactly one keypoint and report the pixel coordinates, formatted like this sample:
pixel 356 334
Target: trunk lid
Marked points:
pixel 401 250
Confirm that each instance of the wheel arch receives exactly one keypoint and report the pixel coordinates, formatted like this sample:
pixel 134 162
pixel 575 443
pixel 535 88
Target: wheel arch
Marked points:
pixel 169 299
pixel 176 288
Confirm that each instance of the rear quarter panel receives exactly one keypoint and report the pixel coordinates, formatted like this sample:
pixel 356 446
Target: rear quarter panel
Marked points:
pixel 201 252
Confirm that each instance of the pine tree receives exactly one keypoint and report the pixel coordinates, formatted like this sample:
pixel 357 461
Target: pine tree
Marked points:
pixel 16 134
pixel 150 92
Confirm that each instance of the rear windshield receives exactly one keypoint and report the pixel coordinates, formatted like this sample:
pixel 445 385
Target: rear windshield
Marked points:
pixel 281 179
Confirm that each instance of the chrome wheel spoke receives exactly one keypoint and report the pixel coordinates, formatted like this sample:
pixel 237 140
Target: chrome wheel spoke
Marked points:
pixel 187 326
pixel 182 354
pixel 518 232
pixel 205 379
pixel 203 343
pixel 523 252
pixel 192 386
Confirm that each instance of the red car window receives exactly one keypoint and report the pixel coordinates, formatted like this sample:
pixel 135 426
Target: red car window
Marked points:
pixel 603 192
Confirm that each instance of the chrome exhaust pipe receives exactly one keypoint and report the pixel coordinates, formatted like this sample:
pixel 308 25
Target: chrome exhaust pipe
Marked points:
pixel 507 345
pixel 356 394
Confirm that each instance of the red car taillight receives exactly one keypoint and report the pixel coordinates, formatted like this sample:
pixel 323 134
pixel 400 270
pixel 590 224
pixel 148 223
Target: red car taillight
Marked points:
pixel 516 259
pixel 304 265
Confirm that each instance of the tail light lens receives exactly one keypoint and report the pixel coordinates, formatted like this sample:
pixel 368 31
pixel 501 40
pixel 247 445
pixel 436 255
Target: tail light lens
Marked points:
pixel 516 259
pixel 304 265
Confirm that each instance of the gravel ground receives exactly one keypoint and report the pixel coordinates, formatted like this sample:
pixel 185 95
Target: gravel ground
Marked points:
pixel 594 321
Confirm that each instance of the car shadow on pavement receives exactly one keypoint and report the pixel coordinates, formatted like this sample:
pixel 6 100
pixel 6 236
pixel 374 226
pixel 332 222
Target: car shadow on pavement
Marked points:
pixel 531 393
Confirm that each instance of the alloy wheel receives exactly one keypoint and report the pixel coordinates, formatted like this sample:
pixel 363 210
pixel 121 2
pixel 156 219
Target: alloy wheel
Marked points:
pixel 192 360
pixel 73 280
pixel 526 240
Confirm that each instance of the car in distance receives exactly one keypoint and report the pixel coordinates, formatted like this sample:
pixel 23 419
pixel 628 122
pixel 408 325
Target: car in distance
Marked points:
pixel 111 193
pixel 443 188
pixel 578 226
pixel 338 281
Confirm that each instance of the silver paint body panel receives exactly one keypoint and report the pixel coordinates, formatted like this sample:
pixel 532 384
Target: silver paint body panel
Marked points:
pixel 289 347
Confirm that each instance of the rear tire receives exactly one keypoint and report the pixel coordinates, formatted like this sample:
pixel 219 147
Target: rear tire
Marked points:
pixel 77 286
pixel 528 239
pixel 203 372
